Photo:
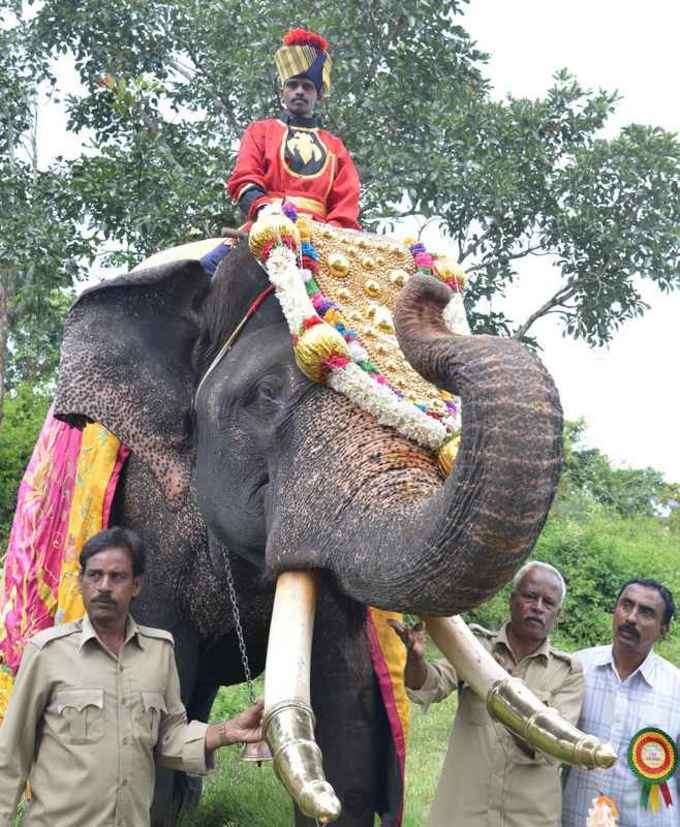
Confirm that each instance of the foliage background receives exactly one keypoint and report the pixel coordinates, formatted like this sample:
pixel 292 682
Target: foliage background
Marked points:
pixel 166 88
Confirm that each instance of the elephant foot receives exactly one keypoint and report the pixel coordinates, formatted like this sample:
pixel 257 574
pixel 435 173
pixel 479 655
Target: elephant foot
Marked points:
pixel 289 730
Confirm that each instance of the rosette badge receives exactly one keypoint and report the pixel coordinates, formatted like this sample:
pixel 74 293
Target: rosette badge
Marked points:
pixel 653 758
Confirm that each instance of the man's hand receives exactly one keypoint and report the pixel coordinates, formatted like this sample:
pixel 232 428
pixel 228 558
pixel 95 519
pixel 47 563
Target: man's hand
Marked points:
pixel 413 638
pixel 244 727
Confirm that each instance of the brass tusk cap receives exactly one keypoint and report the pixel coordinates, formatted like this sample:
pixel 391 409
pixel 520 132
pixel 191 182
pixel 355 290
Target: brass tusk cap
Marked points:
pixel 517 708
pixel 289 730
pixel 320 797
pixel 605 756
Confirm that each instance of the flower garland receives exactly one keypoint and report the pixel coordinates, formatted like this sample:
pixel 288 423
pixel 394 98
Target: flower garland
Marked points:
pixel 332 353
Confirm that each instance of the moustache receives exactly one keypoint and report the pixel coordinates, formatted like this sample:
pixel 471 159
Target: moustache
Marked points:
pixel 627 627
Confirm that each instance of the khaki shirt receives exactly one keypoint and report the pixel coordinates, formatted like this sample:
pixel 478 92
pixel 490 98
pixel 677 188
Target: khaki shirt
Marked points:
pixel 85 728
pixel 487 779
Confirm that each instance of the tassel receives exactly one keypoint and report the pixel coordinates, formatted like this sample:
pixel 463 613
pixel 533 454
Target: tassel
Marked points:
pixel 666 793
pixel 644 796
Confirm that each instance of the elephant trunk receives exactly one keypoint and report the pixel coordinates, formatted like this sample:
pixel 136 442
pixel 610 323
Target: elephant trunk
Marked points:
pixel 436 549
pixel 511 702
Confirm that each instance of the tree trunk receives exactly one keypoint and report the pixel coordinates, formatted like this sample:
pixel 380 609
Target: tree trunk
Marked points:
pixel 5 298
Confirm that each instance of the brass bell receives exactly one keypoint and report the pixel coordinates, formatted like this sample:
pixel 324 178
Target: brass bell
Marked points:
pixel 354 316
pixel 383 320
pixel 256 752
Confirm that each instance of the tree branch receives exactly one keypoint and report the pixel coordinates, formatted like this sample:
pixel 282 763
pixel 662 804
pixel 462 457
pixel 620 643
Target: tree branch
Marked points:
pixel 7 289
pixel 227 108
pixel 186 72
pixel 472 248
pixel 520 254
pixel 562 294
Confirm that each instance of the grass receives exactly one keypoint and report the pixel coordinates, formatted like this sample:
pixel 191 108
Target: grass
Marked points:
pixel 243 795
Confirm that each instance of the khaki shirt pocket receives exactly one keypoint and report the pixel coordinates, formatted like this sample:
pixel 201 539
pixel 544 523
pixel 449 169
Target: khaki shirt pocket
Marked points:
pixel 78 715
pixel 149 718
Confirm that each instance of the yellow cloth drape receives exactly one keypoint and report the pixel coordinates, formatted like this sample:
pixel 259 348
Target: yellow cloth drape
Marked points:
pixel 394 653
pixel 96 462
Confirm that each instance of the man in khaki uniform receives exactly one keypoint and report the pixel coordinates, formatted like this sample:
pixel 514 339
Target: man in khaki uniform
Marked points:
pixel 491 778
pixel 97 702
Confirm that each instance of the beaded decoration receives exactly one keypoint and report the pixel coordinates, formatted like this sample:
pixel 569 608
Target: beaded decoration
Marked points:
pixel 337 289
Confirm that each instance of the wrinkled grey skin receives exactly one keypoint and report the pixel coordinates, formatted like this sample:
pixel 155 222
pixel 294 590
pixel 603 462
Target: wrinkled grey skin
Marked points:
pixel 287 474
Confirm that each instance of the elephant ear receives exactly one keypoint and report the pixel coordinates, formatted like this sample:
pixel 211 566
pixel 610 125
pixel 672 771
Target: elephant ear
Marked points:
pixel 126 362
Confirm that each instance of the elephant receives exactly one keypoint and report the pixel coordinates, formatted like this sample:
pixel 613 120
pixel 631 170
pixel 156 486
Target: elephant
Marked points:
pixel 265 472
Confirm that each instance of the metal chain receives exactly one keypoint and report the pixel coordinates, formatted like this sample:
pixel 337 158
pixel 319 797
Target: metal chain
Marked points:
pixel 236 614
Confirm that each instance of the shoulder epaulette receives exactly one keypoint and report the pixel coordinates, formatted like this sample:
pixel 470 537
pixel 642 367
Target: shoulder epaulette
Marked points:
pixel 159 634
pixel 476 629
pixel 54 633
pixel 568 657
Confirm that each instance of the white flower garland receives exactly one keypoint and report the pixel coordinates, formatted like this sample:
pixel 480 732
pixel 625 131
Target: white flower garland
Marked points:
pixel 351 380
pixel 377 399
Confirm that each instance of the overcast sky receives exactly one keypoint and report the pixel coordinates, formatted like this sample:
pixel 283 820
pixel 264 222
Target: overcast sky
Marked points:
pixel 629 393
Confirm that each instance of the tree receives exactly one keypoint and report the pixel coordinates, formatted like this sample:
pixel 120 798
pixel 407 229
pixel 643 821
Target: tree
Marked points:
pixel 627 492
pixel 42 248
pixel 167 88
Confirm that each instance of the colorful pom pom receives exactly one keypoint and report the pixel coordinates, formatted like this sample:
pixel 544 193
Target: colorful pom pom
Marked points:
pixel 423 260
pixel 303 37
pixel 289 210
pixel 337 362
pixel 310 321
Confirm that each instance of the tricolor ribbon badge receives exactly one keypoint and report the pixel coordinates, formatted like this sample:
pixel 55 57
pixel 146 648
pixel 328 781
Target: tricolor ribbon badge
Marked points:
pixel 653 758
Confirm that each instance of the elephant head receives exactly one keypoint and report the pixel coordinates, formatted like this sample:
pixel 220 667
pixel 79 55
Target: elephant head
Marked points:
pixel 288 473
pixel 321 485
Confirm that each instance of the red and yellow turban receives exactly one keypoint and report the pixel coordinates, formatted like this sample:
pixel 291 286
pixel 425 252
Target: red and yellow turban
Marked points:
pixel 304 54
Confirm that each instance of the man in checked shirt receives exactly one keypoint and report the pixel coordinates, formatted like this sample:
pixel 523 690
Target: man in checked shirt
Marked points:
pixel 97 702
pixel 629 688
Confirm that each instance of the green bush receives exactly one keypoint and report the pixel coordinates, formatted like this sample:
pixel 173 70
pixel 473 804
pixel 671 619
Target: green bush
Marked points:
pixel 596 555
pixel 23 415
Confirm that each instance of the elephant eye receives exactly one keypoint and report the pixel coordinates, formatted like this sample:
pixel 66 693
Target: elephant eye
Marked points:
pixel 267 392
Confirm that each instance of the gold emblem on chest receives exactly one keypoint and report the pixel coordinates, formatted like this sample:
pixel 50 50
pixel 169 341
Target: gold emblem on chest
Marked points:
pixel 304 152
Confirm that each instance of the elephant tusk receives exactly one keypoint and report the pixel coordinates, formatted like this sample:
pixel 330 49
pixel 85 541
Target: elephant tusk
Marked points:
pixel 288 722
pixel 511 702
